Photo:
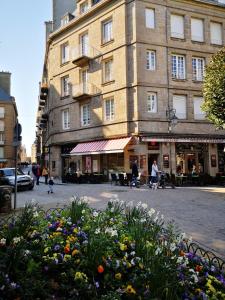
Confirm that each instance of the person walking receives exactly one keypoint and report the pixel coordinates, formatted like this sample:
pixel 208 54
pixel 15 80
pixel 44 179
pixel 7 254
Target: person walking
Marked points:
pixel 134 172
pixel 154 173
pixel 38 174
pixel 45 174
pixel 50 185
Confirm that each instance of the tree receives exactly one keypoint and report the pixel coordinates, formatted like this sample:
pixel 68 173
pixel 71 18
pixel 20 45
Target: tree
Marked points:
pixel 214 90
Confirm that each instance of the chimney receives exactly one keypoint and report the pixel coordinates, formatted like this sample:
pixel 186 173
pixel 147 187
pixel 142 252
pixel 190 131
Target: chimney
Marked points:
pixel 5 82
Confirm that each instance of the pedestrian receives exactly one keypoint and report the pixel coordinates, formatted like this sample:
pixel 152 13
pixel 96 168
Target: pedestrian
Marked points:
pixel 50 185
pixel 45 174
pixel 38 174
pixel 134 173
pixel 154 174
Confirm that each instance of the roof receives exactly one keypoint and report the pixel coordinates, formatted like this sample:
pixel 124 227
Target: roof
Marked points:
pixel 4 96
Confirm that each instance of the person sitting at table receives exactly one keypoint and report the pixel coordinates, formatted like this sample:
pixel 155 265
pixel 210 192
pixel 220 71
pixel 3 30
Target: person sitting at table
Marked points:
pixel 194 172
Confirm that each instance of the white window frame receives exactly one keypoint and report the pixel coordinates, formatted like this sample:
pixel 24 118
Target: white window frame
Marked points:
pixel 65 87
pixel 197 37
pixel 65 20
pixel 108 70
pixel 107 31
pixel 180 115
pixel 212 38
pixel 198 113
pixel 65 53
pixel 84 7
pixel 178 66
pixel 198 68
pixel 151 60
pixel 152 105
pixel 109 109
pixel 2 112
pixel 2 125
pixel 85 120
pixel 2 137
pixel 84 44
pixel 66 119
pixel 150 18
pixel 177 30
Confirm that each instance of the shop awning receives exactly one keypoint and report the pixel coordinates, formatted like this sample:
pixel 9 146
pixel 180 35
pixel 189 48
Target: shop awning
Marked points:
pixel 184 140
pixel 100 147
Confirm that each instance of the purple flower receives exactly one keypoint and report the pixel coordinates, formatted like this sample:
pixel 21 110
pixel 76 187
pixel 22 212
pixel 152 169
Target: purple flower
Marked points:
pixel 57 247
pixel 97 284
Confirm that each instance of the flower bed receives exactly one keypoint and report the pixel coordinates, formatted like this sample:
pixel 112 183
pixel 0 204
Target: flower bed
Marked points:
pixel 123 252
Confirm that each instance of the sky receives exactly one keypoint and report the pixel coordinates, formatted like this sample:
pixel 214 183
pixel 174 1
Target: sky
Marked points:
pixel 22 48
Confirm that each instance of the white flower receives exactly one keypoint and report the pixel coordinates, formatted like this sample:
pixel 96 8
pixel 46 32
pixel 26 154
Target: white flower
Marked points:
pixel 3 242
pixel 132 253
pixel 83 211
pixel 130 204
pixel 112 210
pixel 139 204
pixel 95 214
pixel 114 233
pixel 151 212
pixel 142 220
pixel 180 259
pixel 183 236
pixel 173 247
pixel 16 240
pixel 59 229
pixel 195 277
pixel 158 251
pixel 97 231
pixel 144 205
pixel 26 252
pixel 132 262
pixel 36 214
pixel 162 217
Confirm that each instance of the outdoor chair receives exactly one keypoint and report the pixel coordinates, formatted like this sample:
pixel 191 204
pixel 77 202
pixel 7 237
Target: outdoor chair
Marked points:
pixel 128 179
pixel 114 178
pixel 121 179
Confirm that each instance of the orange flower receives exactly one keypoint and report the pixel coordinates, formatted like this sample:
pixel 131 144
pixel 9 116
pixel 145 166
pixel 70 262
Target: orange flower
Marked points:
pixel 100 269
pixel 67 249
pixel 75 252
pixel 182 253
pixel 198 268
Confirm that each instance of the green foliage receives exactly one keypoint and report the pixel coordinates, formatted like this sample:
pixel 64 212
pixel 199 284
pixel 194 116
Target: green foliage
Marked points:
pixel 214 90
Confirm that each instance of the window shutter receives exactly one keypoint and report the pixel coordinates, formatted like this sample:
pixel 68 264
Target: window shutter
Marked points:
pixel 177 26
pixel 197 32
pixel 150 18
pixel 198 113
pixel 216 33
pixel 179 104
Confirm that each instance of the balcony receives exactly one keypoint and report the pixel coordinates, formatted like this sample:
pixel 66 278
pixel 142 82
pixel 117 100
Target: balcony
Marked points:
pixel 82 55
pixel 84 91
pixel 44 88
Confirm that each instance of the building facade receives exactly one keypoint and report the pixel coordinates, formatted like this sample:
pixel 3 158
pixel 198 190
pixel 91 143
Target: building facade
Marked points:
pixel 115 78
pixel 8 118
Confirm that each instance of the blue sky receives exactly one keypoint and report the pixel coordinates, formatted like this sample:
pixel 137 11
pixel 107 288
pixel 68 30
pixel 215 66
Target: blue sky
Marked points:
pixel 22 45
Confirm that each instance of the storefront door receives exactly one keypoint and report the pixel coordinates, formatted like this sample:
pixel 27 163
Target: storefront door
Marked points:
pixel 151 158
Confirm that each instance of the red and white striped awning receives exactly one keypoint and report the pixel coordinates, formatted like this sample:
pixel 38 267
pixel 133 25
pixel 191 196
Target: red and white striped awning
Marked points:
pixel 99 147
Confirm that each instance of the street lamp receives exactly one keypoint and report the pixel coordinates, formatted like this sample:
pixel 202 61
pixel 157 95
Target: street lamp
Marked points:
pixel 172 121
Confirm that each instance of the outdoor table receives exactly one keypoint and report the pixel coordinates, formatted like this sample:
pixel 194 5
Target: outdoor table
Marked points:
pixel 180 179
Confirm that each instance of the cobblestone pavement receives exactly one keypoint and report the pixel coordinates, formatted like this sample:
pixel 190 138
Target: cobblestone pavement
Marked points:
pixel 198 211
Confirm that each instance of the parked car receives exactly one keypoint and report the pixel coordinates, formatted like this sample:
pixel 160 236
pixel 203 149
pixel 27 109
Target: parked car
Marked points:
pixel 7 177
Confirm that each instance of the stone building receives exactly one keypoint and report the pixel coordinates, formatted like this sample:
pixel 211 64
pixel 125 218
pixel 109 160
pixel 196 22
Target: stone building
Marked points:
pixel 116 78
pixel 8 118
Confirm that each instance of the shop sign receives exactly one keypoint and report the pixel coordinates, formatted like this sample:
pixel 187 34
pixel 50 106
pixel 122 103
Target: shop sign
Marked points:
pixel 153 145
pixel 213 160
pixel 166 161
pixel 183 140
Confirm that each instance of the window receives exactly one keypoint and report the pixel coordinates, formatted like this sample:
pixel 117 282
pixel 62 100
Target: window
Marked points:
pixel 178 67
pixel 198 113
pixel 177 26
pixel 197 30
pixel 198 66
pixel 152 102
pixel 151 60
pixel 109 109
pixel 84 80
pixel 1 137
pixel 1 152
pixel 64 53
pixel 66 119
pixel 84 44
pixel 2 112
pixel 65 86
pixel 64 20
pixel 108 71
pixel 107 31
pixel 179 104
pixel 2 125
pixel 84 7
pixel 150 18
pixel 216 33
pixel 85 115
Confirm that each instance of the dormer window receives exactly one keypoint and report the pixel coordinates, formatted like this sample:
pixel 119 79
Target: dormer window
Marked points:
pixel 84 7
pixel 65 20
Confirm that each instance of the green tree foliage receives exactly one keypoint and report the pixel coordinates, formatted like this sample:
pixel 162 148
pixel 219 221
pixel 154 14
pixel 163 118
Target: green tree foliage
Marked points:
pixel 214 90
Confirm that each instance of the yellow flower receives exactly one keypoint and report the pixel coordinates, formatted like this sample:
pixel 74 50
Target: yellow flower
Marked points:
pixel 46 249
pixel 118 276
pixel 141 266
pixel 66 257
pixel 80 276
pixel 129 265
pixel 123 247
pixel 75 230
pixel 130 289
pixel 75 252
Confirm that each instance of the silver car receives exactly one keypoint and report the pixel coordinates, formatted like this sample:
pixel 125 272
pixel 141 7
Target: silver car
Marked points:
pixel 7 177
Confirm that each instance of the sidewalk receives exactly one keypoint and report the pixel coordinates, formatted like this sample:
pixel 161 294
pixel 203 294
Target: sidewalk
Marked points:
pixel 57 181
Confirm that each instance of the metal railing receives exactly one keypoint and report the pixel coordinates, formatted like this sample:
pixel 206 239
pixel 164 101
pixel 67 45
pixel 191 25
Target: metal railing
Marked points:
pixel 84 50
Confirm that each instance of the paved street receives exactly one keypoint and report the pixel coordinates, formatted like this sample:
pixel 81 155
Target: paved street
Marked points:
pixel 198 211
